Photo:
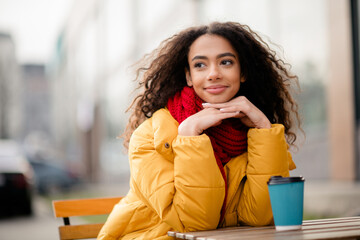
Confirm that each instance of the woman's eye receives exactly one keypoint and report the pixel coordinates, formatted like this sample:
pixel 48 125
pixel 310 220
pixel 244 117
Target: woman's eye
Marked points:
pixel 199 65
pixel 226 62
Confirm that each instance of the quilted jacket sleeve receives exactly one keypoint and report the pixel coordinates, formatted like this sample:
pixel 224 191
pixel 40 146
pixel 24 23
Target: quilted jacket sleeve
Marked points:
pixel 177 177
pixel 268 156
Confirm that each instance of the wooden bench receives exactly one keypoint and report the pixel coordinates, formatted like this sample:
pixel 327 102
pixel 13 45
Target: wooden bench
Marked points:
pixel 82 207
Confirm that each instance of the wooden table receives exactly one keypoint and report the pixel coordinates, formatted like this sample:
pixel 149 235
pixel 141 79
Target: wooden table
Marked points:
pixel 334 228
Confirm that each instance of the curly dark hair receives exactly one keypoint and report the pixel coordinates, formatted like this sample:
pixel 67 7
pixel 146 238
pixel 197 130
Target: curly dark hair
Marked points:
pixel 267 85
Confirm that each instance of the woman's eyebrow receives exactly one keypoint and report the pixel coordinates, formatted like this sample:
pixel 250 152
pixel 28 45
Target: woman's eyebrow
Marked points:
pixel 199 57
pixel 226 54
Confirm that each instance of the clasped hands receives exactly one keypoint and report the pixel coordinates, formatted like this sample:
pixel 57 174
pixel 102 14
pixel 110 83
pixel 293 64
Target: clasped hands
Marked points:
pixel 213 114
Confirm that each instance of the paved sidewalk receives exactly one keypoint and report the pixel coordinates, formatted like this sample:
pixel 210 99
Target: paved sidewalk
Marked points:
pixel 43 225
pixel 332 199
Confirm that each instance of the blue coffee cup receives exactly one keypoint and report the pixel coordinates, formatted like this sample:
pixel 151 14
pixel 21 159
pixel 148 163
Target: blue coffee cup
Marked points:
pixel 287 201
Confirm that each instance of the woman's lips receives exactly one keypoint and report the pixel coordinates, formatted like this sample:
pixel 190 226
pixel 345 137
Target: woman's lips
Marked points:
pixel 215 89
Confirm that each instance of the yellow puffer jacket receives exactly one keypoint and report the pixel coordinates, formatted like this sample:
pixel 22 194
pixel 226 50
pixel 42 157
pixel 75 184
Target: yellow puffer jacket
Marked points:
pixel 176 184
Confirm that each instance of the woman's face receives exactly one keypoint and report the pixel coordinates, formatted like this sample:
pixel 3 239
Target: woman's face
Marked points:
pixel 214 69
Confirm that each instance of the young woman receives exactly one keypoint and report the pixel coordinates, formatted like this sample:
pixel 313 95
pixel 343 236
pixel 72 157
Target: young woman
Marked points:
pixel 211 126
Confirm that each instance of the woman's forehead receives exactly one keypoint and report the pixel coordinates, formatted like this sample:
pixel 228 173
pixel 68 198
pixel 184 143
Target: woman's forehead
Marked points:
pixel 210 45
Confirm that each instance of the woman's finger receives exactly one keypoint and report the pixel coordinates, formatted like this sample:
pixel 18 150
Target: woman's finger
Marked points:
pixel 230 109
pixel 215 105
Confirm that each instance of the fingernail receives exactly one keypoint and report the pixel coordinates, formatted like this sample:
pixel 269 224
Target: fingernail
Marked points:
pixel 205 104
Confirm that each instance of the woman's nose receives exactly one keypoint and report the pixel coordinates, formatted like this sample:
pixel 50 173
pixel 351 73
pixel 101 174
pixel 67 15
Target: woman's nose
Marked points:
pixel 214 73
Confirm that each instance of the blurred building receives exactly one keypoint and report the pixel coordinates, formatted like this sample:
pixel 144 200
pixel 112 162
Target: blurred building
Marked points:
pixel 10 90
pixel 36 133
pixel 36 100
pixel 92 84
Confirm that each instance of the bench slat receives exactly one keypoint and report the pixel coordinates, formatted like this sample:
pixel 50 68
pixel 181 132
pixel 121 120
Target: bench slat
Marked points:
pixel 80 231
pixel 84 207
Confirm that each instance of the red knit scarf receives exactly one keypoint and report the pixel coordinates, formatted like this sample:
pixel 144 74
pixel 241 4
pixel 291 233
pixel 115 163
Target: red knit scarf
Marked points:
pixel 229 139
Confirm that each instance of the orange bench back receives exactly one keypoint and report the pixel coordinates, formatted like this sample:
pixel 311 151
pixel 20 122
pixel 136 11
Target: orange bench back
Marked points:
pixel 82 207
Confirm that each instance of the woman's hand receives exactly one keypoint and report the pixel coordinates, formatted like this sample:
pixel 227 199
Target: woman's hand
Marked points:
pixel 202 120
pixel 247 112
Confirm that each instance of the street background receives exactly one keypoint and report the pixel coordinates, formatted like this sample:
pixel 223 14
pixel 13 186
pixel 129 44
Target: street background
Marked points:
pixel 66 71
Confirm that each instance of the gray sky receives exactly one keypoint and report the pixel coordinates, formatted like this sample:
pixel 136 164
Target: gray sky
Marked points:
pixel 34 26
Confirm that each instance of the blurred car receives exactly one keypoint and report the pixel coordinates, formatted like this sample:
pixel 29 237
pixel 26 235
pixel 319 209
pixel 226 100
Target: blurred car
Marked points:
pixel 16 181
pixel 51 178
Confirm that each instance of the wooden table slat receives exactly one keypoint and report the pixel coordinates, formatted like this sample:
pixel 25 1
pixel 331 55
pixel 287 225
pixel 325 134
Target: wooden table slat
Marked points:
pixel 194 235
pixel 350 234
pixel 283 235
pixel 258 230
pixel 335 228
pixel 331 220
